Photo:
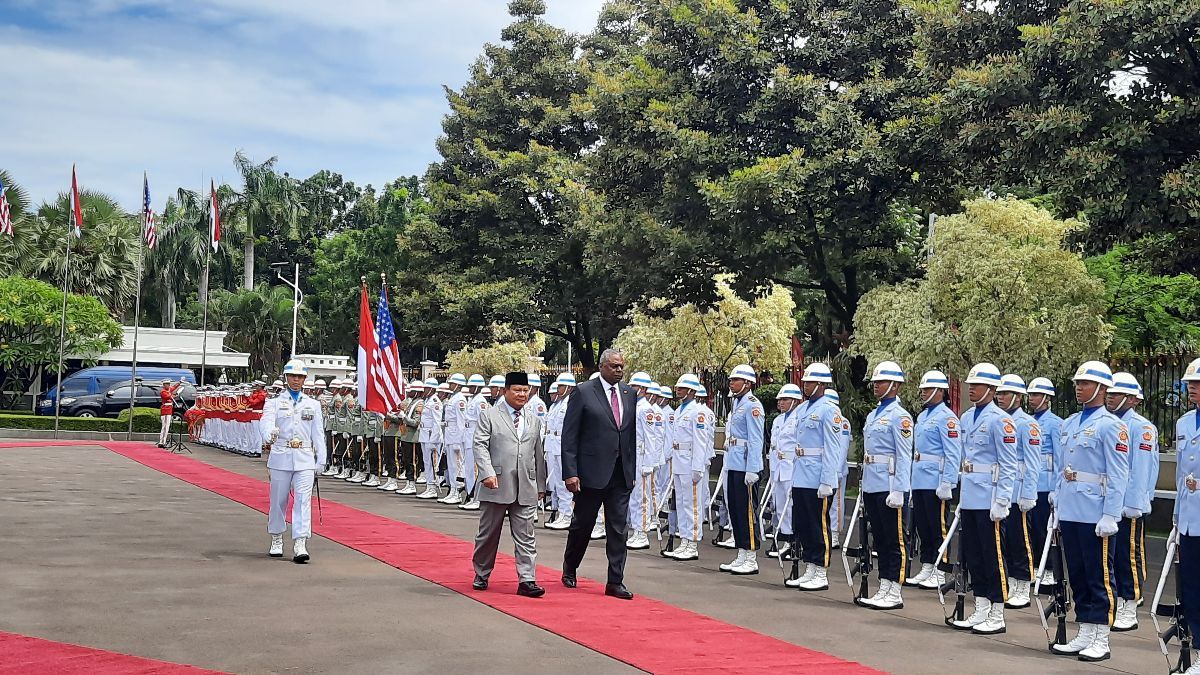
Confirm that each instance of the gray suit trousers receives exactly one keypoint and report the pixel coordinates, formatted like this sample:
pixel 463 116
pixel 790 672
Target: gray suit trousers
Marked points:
pixel 520 526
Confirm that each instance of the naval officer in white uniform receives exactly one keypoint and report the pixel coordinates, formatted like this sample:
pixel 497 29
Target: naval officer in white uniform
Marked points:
pixel 291 426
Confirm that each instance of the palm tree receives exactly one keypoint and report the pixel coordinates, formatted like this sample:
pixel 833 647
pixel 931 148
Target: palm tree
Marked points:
pixel 269 203
pixel 259 322
pixel 23 243
pixel 103 259
pixel 177 264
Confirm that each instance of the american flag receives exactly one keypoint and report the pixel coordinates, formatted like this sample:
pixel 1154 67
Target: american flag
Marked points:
pixel 386 374
pixel 5 216
pixel 149 230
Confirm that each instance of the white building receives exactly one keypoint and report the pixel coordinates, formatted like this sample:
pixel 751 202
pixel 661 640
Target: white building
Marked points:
pixel 327 366
pixel 174 347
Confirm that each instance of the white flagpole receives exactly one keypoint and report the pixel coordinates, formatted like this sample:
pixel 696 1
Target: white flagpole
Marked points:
pixel 137 314
pixel 212 199
pixel 62 331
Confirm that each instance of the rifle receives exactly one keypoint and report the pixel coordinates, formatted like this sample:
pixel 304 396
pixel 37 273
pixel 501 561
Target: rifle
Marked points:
pixel 956 579
pixel 862 567
pixel 716 527
pixel 663 550
pixel 775 535
pixel 1052 557
pixel 766 499
pixel 1177 613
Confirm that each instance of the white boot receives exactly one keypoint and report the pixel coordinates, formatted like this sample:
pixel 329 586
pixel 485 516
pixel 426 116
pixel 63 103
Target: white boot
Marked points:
pixel 638 542
pixel 372 481
pixel 1048 578
pixel 358 477
pixel 819 580
pixel 403 475
pixel 725 567
pixel 1126 616
pixel 299 551
pixel 879 595
pixel 835 542
pixel 687 551
pixel 749 565
pixel 925 573
pixel 562 522
pixel 995 621
pixel 388 485
pixel 727 543
pixel 276 546
pixel 1098 651
pixel 1081 641
pixel 598 531
pixel 410 488
pixel 892 599
pixel 983 607
pixel 421 477
pixel 329 471
pixel 344 473
pixel 430 492
pixel 809 570
pixel 1019 598
pixel 781 550
pixel 472 505
pixel 454 497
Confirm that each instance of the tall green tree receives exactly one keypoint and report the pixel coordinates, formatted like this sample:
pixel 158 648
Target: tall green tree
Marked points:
pixel 269 205
pixel 1150 312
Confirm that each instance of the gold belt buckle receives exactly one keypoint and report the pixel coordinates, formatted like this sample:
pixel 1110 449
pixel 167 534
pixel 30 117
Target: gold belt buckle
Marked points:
pixel 295 443
pixel 968 467
pixel 1070 474
pixel 1190 483
pixel 780 453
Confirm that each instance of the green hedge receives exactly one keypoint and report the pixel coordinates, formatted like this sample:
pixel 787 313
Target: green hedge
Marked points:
pixel 145 421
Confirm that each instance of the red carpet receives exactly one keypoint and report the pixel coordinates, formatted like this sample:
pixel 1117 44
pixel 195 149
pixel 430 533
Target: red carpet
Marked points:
pixel 645 633
pixel 22 654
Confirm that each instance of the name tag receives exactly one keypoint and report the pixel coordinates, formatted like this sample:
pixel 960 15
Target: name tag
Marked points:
pixel 306 415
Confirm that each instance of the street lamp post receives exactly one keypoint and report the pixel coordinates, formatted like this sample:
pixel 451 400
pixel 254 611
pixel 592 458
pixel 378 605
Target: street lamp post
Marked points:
pixel 297 298
pixel 572 332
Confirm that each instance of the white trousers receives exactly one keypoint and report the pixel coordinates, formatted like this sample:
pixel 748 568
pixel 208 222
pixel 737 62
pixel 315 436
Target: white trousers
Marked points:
pixel 783 515
pixel 456 465
pixel 689 506
pixel 284 483
pixel 642 502
pixel 429 452
pixel 560 497
pixel 835 508
pixel 165 430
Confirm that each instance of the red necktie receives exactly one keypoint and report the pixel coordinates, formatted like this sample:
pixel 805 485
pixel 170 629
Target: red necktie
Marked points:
pixel 615 405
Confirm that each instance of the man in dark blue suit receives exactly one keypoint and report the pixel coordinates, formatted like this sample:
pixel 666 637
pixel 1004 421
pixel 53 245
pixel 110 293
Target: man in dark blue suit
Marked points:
pixel 599 463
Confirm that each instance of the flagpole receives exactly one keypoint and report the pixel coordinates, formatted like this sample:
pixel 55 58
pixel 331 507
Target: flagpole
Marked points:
pixel 204 340
pixel 62 331
pixel 137 319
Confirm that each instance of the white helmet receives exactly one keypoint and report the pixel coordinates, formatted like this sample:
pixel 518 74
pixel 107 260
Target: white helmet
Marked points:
pixel 984 373
pixel 688 381
pixel 444 388
pixel 832 395
pixel 887 371
pixel 1041 385
pixel 431 383
pixel 1192 373
pixel 565 380
pixel 319 384
pixel 553 388
pixel 744 372
pixel 665 392
pixel 934 379
pixel 1011 383
pixel 496 381
pixel 1094 371
pixel 535 380
pixel 701 392
pixel 476 381
pixel 277 383
pixel 416 385
pixel 1125 383
pixel 310 382
pixel 459 379
pixel 817 372
pixel 640 379
pixel 789 391
pixel 295 367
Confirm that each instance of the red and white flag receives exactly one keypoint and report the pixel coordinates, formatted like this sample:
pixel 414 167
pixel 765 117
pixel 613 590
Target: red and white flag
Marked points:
pixel 5 214
pixel 366 348
pixel 214 217
pixel 76 209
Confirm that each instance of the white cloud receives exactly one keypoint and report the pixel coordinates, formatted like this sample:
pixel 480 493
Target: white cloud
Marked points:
pixel 122 86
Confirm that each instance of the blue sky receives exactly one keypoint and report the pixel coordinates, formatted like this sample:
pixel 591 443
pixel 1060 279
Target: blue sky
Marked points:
pixel 175 88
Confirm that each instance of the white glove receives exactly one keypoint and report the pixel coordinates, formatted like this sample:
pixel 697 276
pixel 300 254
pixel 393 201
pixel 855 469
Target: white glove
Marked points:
pixel 696 476
pixel 1130 512
pixel 1050 496
pixel 647 470
pixel 945 492
pixel 895 499
pixel 751 478
pixel 274 435
pixel 1026 505
pixel 1107 526
pixel 824 491
pixel 999 511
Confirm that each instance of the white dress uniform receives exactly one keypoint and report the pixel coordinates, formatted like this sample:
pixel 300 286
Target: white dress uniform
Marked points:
pixel 430 437
pixel 643 498
pixel 560 498
pixel 689 466
pixel 292 425
pixel 456 431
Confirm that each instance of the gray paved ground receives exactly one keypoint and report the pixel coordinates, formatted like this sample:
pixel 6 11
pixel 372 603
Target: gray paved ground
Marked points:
pixel 112 554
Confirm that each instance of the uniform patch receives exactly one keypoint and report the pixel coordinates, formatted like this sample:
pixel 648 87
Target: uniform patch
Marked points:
pixel 1034 431
pixel 1009 428
pixel 649 417
pixel 756 412
pixel 1146 446
pixel 953 433
pixel 1010 439
pixel 906 424
pixel 462 405
pixel 1148 436
pixel 1121 447
pixel 906 432
pixel 951 424
pixel 837 419
pixel 700 418
pixel 1035 441
pixel 1122 435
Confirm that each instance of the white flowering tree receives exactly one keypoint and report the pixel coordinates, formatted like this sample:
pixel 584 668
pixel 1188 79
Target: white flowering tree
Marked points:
pixel 504 353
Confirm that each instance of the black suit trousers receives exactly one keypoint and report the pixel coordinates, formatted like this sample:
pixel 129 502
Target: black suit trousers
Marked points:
pixel 615 499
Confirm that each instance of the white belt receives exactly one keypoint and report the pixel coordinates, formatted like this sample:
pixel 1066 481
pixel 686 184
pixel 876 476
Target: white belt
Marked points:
pixel 880 459
pixel 940 459
pixel 1020 470
pixel 1074 476
pixel 1049 462
pixel 993 469
pixel 551 433
pixel 675 446
pixel 733 442
pixel 809 452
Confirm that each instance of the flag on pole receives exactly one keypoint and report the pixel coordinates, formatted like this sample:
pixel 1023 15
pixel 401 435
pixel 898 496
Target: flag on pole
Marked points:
pixel 76 209
pixel 366 347
pixel 214 217
pixel 5 215
pixel 387 377
pixel 149 231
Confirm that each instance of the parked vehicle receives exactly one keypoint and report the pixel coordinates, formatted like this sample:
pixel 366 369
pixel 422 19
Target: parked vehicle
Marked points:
pixel 84 390
pixel 112 401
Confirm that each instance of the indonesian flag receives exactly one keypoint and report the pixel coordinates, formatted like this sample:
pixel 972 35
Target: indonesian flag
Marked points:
pixel 76 209
pixel 366 348
pixel 214 217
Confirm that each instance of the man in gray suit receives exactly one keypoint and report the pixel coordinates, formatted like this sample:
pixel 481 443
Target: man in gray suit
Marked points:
pixel 511 467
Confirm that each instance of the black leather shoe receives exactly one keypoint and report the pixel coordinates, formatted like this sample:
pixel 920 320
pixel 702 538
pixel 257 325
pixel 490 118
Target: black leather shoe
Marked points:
pixel 618 591
pixel 568 579
pixel 530 589
pixel 480 584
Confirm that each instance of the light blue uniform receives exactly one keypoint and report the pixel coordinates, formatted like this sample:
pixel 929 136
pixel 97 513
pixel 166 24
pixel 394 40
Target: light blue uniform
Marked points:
pixel 1095 471
pixel 1051 451
pixel 989 467
pixel 819 443
pixel 938 448
pixel 887 448
pixel 1143 461
pixel 1029 445
pixel 1187 467
pixel 744 434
